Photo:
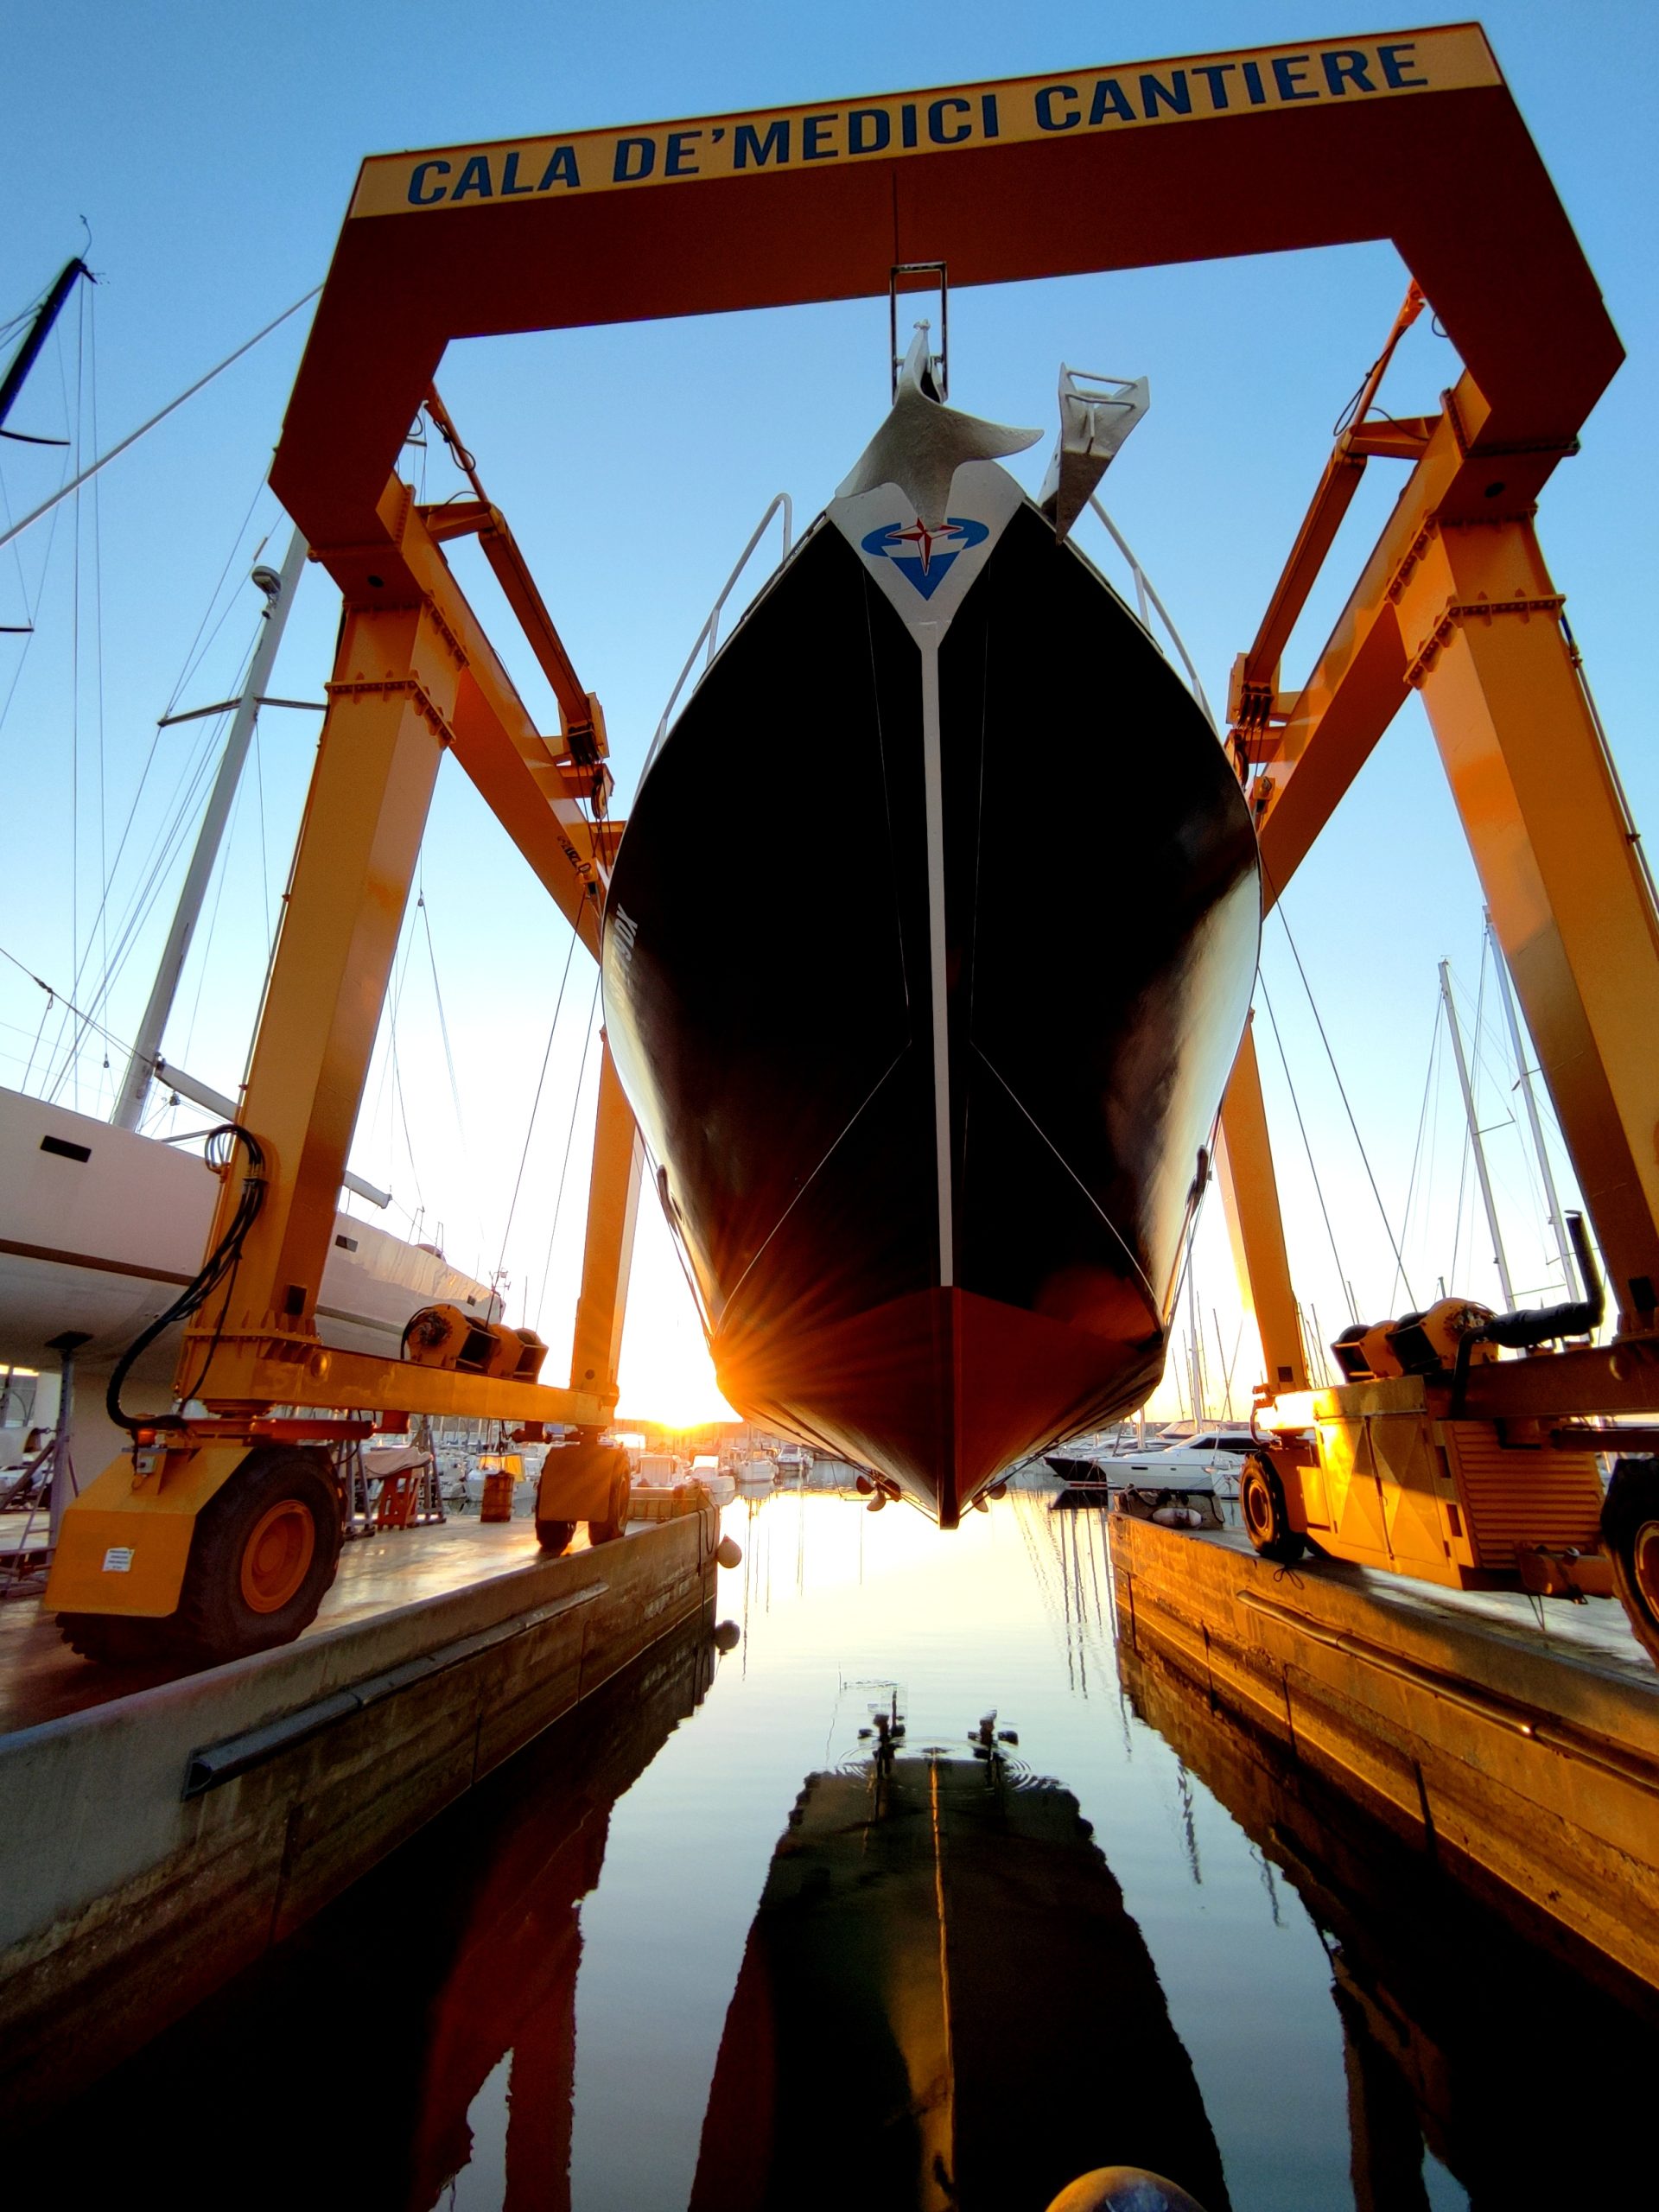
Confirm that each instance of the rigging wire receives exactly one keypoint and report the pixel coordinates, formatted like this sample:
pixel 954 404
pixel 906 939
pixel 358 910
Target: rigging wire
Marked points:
pixel 1417 1149
pixel 209 745
pixel 141 902
pixel 1463 1186
pixel 193 659
pixel 408 1141
pixel 16 529
pixel 530 1127
pixel 40 593
pixel 102 922
pixel 53 993
pixel 569 1134
pixel 400 977
pixel 450 1058
pixel 1342 1092
pixel 32 611
pixel 265 849
pixel 221 871
pixel 165 843
pixel 75 688
pixel 1318 1190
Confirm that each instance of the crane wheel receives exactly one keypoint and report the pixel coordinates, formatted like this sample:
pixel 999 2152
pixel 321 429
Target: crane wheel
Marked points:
pixel 606 1532
pixel 117 1640
pixel 265 1550
pixel 1267 1517
pixel 1630 1533
pixel 556 1537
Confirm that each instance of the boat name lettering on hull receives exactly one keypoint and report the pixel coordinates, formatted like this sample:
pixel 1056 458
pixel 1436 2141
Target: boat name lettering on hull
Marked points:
pixel 1123 96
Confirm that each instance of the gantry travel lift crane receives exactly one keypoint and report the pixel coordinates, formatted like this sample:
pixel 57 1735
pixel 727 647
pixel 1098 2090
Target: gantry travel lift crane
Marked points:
pixel 217 1531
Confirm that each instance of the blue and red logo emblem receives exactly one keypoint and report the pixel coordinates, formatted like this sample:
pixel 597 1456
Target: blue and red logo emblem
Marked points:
pixel 924 556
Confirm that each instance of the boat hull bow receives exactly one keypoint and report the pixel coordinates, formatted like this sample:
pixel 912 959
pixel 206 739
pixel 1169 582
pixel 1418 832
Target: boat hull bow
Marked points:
pixel 928 1092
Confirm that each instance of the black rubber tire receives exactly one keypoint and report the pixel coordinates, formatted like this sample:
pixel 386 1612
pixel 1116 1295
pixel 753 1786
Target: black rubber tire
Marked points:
pixel 1265 1514
pixel 607 1532
pixel 214 1622
pixel 556 1537
pixel 118 1640
pixel 1629 1533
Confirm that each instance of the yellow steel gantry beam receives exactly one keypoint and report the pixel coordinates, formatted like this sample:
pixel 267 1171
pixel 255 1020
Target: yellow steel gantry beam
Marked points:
pixel 1255 1228
pixel 613 1206
pixel 414 675
pixel 1455 601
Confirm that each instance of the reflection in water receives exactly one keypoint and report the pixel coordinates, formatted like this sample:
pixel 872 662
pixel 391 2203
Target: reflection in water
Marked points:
pixel 478 2025
pixel 943 2003
pixel 344 2070
pixel 1462 2032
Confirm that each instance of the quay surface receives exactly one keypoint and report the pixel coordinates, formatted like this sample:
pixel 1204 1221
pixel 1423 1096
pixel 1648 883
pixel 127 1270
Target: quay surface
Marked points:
pixel 1520 1748
pixel 157 1839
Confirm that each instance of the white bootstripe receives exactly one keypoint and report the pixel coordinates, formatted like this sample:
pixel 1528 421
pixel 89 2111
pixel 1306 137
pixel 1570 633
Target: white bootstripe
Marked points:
pixel 927 636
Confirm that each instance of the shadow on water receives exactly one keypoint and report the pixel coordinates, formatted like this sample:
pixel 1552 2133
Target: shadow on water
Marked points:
pixel 1524 2063
pixel 340 2069
pixel 943 2003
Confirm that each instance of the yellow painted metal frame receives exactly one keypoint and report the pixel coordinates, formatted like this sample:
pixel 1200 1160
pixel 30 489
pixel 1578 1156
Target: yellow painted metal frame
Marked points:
pixel 412 680
pixel 126 1538
pixel 1455 601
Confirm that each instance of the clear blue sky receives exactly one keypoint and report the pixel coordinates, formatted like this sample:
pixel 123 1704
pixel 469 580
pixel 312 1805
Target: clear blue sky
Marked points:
pixel 212 149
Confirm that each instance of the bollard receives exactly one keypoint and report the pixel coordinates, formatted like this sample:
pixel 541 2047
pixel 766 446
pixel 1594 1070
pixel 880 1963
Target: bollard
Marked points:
pixel 1123 2189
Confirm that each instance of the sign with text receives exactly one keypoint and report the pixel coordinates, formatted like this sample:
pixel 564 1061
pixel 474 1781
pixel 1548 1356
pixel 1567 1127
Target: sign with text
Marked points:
pixel 1131 96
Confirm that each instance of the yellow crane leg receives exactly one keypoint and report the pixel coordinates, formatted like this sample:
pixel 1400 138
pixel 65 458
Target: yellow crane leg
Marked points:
pixel 1558 861
pixel 390 707
pixel 134 1545
pixel 589 1482
pixel 1250 1197
pixel 613 1207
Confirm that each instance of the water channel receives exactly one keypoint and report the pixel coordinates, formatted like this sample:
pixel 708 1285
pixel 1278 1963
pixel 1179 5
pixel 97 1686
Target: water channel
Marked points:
pixel 1163 1944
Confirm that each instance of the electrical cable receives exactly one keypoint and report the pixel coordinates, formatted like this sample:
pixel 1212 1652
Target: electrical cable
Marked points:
pixel 221 1266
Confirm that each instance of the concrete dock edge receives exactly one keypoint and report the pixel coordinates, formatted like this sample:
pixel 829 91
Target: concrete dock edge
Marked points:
pixel 153 1846
pixel 1535 1769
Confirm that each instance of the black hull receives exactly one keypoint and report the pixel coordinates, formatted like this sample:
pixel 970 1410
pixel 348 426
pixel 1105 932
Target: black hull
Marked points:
pixel 1101 923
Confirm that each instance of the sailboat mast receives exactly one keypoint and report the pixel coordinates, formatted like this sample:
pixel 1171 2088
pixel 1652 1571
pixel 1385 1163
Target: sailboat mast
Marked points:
pixel 1195 1348
pixel 1552 1199
pixel 141 1068
pixel 39 331
pixel 1474 1132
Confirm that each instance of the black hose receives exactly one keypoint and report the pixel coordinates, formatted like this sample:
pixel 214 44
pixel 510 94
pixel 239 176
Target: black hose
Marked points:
pixel 220 1265
pixel 1540 1325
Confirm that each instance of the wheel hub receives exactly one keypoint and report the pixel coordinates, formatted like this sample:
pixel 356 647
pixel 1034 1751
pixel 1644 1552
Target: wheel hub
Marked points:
pixel 278 1552
pixel 1644 1565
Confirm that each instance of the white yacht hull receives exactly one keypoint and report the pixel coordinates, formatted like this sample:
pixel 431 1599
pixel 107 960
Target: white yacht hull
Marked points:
pixel 101 1229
